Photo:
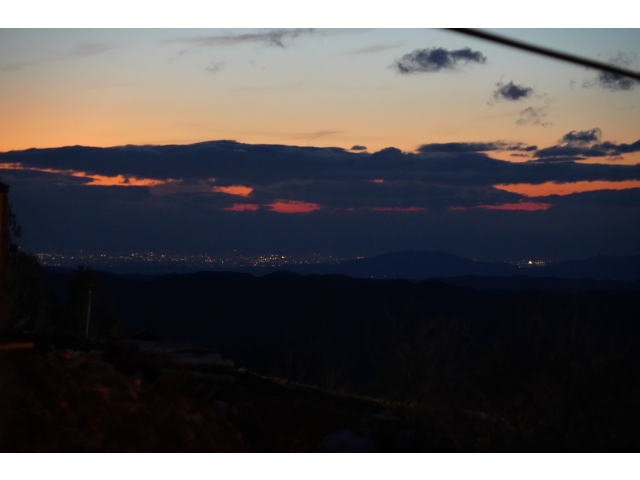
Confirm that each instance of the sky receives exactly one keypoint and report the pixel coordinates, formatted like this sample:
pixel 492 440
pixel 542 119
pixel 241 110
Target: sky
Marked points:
pixel 340 140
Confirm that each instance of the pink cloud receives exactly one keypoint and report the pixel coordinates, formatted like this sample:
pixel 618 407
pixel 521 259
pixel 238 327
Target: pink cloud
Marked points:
pixel 553 188
pixel 292 206
pixel 528 206
pixel 240 190
pixel 242 207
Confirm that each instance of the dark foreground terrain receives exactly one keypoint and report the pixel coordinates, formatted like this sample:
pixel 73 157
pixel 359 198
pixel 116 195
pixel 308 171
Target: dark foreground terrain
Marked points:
pixel 64 400
pixel 283 362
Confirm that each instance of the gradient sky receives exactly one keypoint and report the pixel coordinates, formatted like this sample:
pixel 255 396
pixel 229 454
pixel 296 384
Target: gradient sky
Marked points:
pixel 429 93
pixel 327 87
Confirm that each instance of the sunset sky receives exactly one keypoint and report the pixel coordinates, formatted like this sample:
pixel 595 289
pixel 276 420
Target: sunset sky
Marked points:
pixel 322 87
pixel 424 139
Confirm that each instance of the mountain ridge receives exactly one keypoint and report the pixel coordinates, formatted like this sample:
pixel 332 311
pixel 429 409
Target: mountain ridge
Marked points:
pixel 423 264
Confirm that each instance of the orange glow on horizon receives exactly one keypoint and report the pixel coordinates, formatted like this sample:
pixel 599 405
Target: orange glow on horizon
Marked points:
pixel 95 180
pixel 239 190
pixel 121 181
pixel 458 209
pixel 526 206
pixel 553 188
pixel 242 207
pixel 292 206
pixel 378 180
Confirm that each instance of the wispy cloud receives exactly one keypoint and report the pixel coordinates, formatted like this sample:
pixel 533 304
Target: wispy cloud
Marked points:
pixel 80 50
pixel 375 49
pixel 431 60
pixel 322 134
pixel 88 48
pixel 273 38
pixel 216 67
pixel 533 116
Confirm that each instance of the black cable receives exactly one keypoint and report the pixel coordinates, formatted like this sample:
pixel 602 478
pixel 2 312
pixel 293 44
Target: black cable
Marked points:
pixel 547 52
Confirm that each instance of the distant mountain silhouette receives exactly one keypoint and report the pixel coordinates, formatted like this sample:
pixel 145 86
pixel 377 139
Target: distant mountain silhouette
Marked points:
pixel 416 265
pixel 421 265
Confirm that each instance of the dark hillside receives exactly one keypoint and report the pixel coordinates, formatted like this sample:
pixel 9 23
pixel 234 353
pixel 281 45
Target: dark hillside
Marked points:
pixel 452 367
pixel 339 322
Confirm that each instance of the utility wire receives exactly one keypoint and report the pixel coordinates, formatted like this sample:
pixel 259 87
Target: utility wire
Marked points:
pixel 547 52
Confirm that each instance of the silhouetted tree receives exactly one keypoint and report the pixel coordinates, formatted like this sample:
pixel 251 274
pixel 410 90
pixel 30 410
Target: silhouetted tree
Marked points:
pixel 29 301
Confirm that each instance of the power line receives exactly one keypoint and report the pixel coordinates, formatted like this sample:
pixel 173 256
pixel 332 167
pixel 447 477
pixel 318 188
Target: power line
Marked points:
pixel 547 52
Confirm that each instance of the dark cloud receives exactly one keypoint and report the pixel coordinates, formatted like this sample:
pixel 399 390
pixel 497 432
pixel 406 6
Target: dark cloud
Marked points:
pixel 580 145
pixel 533 116
pixel 354 190
pixel 457 147
pixel 520 147
pixel 512 92
pixel 582 138
pixel 358 148
pixel 436 59
pixel 277 169
pixel 389 151
pixel 464 147
pixel 613 81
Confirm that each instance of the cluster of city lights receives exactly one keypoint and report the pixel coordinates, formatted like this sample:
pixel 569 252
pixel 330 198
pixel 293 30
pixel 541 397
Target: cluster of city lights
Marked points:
pixel 202 260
